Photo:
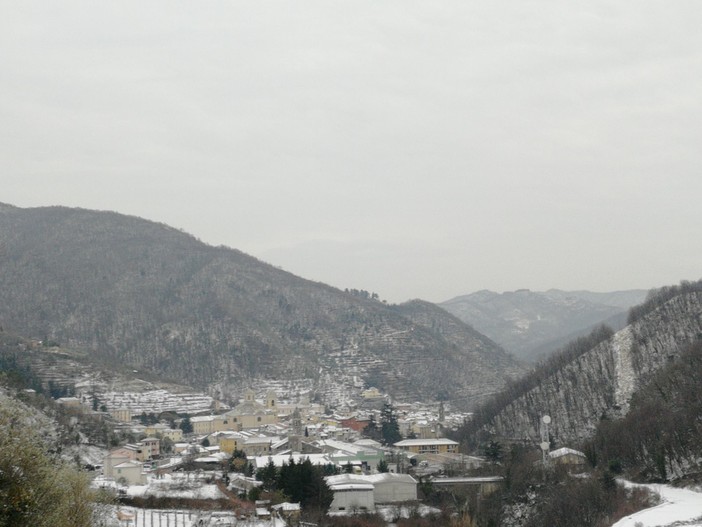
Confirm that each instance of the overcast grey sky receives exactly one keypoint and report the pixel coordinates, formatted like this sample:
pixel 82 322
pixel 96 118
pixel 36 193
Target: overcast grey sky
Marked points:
pixel 415 149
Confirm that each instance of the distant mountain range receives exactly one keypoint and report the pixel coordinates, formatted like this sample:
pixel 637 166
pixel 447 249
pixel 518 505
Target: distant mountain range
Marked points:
pixel 144 295
pixel 532 324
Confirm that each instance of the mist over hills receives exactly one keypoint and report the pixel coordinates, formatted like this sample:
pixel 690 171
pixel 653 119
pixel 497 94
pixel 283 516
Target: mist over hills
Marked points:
pixel 139 293
pixel 532 324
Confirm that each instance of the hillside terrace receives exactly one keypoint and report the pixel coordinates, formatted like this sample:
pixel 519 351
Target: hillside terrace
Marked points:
pixel 157 401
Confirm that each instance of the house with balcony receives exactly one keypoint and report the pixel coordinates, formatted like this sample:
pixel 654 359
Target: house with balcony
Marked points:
pixel 428 446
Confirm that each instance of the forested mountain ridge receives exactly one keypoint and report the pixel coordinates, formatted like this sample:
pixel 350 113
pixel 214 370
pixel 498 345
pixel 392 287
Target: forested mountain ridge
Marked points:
pixel 532 324
pixel 146 295
pixel 594 378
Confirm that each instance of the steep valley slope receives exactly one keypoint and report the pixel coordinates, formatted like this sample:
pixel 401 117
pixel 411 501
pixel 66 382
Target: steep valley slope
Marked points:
pixel 596 377
pixel 142 294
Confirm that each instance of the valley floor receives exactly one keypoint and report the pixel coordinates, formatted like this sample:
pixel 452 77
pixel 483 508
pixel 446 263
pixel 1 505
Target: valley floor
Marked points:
pixel 678 508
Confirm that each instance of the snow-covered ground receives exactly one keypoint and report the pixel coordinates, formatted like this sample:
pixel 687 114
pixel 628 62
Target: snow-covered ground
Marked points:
pixel 164 518
pixel 180 486
pixel 87 454
pixel 176 486
pixel 393 512
pixel 678 508
pixel 169 486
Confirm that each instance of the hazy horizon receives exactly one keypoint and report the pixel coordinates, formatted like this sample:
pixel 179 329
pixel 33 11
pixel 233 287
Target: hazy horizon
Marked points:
pixel 411 149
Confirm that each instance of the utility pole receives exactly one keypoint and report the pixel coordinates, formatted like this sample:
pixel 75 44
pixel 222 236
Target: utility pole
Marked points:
pixel 545 443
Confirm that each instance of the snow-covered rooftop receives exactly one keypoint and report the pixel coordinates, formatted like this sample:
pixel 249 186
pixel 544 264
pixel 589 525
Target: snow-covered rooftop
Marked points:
pixel 564 452
pixel 421 442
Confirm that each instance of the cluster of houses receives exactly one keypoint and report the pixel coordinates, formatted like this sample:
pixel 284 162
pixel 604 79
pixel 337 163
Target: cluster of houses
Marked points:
pixel 126 464
pixel 267 431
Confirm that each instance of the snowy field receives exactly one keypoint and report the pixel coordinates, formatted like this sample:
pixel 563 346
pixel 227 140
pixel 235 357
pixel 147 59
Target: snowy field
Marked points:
pixel 678 508
pixel 179 485
pixel 161 518
pixel 132 517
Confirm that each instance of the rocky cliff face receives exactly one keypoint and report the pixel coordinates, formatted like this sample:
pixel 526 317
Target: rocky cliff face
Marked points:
pixel 148 296
pixel 600 382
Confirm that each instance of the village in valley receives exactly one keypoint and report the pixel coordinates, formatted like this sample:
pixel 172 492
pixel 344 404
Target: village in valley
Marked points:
pixel 273 452
pixel 373 457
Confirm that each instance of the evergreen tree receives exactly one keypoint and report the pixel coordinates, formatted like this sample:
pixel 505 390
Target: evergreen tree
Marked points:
pixel 493 451
pixel 372 431
pixel 304 483
pixel 316 493
pixel 166 445
pixel 149 419
pixel 288 481
pixel 389 427
pixel 185 425
pixel 330 469
pixel 268 475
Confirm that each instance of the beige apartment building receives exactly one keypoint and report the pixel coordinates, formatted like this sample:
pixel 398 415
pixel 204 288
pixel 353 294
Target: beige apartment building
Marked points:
pixel 428 446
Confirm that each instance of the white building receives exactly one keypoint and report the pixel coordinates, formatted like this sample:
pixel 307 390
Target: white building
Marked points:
pixel 393 488
pixel 351 493
pixel 131 472
pixel 351 490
